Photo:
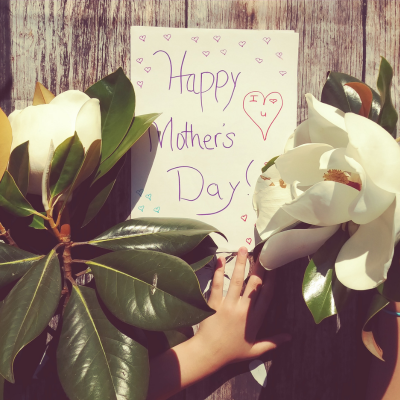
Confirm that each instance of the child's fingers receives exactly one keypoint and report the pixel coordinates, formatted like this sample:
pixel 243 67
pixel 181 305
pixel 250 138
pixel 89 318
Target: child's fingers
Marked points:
pixel 264 297
pixel 217 284
pixel 269 344
pixel 237 279
pixel 254 283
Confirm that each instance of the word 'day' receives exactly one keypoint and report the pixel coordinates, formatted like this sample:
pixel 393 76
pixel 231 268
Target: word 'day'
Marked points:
pixel 263 110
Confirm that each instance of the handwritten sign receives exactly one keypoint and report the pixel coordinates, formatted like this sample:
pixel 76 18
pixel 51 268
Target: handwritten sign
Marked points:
pixel 228 100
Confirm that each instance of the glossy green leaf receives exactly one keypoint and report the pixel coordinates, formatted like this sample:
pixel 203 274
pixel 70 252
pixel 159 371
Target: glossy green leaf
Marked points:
pixel 67 160
pixel 388 116
pixel 378 302
pixel 27 310
pixel 5 141
pixel 175 236
pixel 117 105
pixel 336 94
pixel 94 197
pixel 37 222
pixel 18 166
pixel 390 289
pixel 95 360
pixel 140 125
pixel 14 263
pixel 149 289
pixel 201 255
pixel 11 198
pixel 322 292
pixel 269 164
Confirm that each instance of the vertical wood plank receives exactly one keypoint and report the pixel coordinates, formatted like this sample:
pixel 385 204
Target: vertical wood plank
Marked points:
pixel 5 59
pixel 319 362
pixel 383 39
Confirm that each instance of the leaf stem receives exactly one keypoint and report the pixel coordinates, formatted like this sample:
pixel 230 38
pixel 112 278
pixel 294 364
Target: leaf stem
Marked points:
pixel 7 237
pixel 53 227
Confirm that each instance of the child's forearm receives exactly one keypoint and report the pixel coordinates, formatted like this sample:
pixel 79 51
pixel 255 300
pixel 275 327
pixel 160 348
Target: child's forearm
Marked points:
pixel 180 367
pixel 384 378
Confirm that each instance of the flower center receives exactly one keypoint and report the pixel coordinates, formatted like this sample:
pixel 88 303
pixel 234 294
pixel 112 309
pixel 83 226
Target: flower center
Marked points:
pixel 336 175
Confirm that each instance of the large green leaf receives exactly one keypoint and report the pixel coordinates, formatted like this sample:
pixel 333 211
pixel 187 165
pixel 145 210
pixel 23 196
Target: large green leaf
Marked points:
pixel 67 160
pixel 140 125
pixel 27 310
pixel 95 360
pixel 117 105
pixel 5 141
pixel 11 198
pixel 378 302
pixel 14 263
pixel 322 292
pixel 175 236
pixel 18 166
pixel 149 289
pixel 201 255
pixel 388 115
pixel 336 94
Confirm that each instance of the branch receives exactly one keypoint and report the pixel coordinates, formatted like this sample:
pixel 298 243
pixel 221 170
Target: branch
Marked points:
pixel 7 237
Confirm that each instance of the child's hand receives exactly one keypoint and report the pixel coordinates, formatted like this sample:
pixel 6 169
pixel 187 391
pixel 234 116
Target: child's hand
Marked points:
pixel 230 334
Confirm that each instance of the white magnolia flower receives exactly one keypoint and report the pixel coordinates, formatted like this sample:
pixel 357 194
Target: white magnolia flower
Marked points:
pixel 340 167
pixel 68 112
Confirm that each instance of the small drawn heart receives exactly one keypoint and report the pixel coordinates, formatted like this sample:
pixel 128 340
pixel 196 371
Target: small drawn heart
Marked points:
pixel 248 240
pixel 167 37
pixel 262 112
pixel 279 54
pixel 273 101
pixel 139 60
pixel 195 38
pixel 223 51
pixel 267 39
pixel 244 217
pixel 206 53
pixel 147 69
pixel 139 192
pixel 142 38
pixel 242 43
pixel 217 38
pixel 157 209
pixel 140 83
pixel 148 196
pixel 259 60
pixel 141 208
pixel 283 72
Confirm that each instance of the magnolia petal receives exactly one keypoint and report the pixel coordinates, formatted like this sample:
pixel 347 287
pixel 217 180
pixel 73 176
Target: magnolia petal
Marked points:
pixel 269 196
pixel 326 123
pixel 371 200
pixel 365 258
pixel 287 246
pixel 37 124
pixel 302 163
pixel 335 159
pixel 298 137
pixel 397 219
pixel 325 203
pixel 375 150
pixel 71 102
pixel 88 123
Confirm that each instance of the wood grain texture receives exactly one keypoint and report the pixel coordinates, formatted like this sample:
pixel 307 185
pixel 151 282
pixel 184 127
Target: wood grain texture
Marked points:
pixel 383 39
pixel 69 44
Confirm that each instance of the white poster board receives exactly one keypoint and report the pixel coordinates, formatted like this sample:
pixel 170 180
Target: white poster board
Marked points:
pixel 229 102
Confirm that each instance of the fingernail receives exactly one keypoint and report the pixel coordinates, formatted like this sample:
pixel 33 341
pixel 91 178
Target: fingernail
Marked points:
pixel 243 251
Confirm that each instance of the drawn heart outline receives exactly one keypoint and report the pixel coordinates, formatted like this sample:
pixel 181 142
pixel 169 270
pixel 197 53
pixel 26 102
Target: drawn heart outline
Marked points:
pixel 157 209
pixel 242 43
pixel 195 38
pixel 147 69
pixel 223 51
pixel 244 217
pixel 142 38
pixel 259 60
pixel 248 240
pixel 168 36
pixel 148 196
pixel 283 72
pixel 279 54
pixel 267 39
pixel 140 83
pixel 139 60
pixel 255 111
pixel 139 192
pixel 141 208
pixel 206 53
pixel 217 38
